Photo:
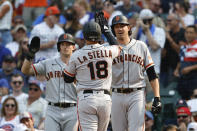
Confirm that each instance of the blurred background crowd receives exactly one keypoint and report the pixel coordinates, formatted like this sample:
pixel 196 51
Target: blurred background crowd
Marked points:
pixel 175 56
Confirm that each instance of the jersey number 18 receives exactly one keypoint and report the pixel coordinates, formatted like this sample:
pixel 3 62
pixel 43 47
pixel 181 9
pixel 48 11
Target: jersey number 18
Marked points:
pixel 101 69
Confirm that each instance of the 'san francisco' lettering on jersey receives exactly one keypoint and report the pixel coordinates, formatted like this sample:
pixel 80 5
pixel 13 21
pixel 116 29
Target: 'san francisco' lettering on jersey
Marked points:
pixel 95 54
pixel 129 57
pixel 54 74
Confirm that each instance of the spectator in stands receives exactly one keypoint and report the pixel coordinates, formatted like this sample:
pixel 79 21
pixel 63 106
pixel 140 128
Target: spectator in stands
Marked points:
pixel 155 7
pixel 128 7
pixel 4 89
pixel 9 68
pixel 109 10
pixel 170 53
pixel 18 20
pixel 79 39
pixel 170 128
pixel 183 118
pixel 83 11
pixel 34 103
pixel 194 94
pixel 3 52
pixel 19 32
pixel 181 103
pixel 149 121
pixel 26 122
pixel 9 113
pixel 23 49
pixel 181 9
pixel 33 9
pixel 61 20
pixel 6 12
pixel 132 18
pixel 48 31
pixel 153 36
pixel 72 24
pixel 17 83
pixel 192 126
pixel 187 68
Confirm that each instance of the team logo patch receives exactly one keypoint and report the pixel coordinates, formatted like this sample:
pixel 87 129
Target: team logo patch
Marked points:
pixel 7 127
pixel 117 18
pixel 65 36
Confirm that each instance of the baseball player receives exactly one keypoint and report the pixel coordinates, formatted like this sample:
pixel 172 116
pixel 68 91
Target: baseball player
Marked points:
pixel 92 68
pixel 61 112
pixel 128 83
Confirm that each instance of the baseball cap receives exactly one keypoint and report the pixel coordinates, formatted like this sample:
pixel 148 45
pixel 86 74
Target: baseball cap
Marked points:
pixel 181 103
pixel 20 26
pixel 4 83
pixel 8 58
pixel 34 81
pixel 183 111
pixel 25 115
pixel 192 126
pixel 146 14
pixel 149 115
pixel 52 10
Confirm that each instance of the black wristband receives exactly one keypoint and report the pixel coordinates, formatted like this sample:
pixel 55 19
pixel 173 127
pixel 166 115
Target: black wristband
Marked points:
pixel 157 98
pixel 110 38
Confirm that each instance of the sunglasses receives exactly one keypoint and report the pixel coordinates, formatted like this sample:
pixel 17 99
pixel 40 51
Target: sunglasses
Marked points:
pixel 10 105
pixel 146 21
pixel 35 89
pixel 15 82
pixel 183 116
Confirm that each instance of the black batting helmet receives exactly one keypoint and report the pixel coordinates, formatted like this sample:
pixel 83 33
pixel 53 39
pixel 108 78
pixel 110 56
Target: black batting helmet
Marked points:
pixel 119 19
pixel 65 38
pixel 92 31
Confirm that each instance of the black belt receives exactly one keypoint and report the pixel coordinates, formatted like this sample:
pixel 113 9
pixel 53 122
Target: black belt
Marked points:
pixel 91 91
pixel 125 90
pixel 62 105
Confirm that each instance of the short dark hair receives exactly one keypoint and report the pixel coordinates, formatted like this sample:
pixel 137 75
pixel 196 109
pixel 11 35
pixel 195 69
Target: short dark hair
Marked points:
pixel 192 26
pixel 17 75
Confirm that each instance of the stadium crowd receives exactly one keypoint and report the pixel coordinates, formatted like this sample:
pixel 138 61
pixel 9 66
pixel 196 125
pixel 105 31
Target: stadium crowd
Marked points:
pixel 168 27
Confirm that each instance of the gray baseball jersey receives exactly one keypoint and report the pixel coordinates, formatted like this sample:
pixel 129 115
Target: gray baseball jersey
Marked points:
pixel 128 72
pixel 135 58
pixel 57 90
pixel 92 66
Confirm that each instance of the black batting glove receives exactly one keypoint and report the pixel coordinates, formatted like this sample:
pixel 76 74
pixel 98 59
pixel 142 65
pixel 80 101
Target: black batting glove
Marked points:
pixel 101 20
pixel 156 106
pixel 33 48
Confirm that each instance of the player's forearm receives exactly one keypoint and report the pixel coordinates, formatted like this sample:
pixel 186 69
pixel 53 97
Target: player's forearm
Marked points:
pixel 155 87
pixel 110 38
pixel 26 67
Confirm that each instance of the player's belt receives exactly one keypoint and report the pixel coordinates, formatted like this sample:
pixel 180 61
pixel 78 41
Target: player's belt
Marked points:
pixel 125 90
pixel 62 105
pixel 92 91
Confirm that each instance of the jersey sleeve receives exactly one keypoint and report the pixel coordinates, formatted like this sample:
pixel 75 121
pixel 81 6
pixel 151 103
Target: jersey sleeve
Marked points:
pixel 70 69
pixel 39 68
pixel 148 61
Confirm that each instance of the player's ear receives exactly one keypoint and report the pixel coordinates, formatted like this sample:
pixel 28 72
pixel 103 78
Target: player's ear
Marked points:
pixel 74 47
